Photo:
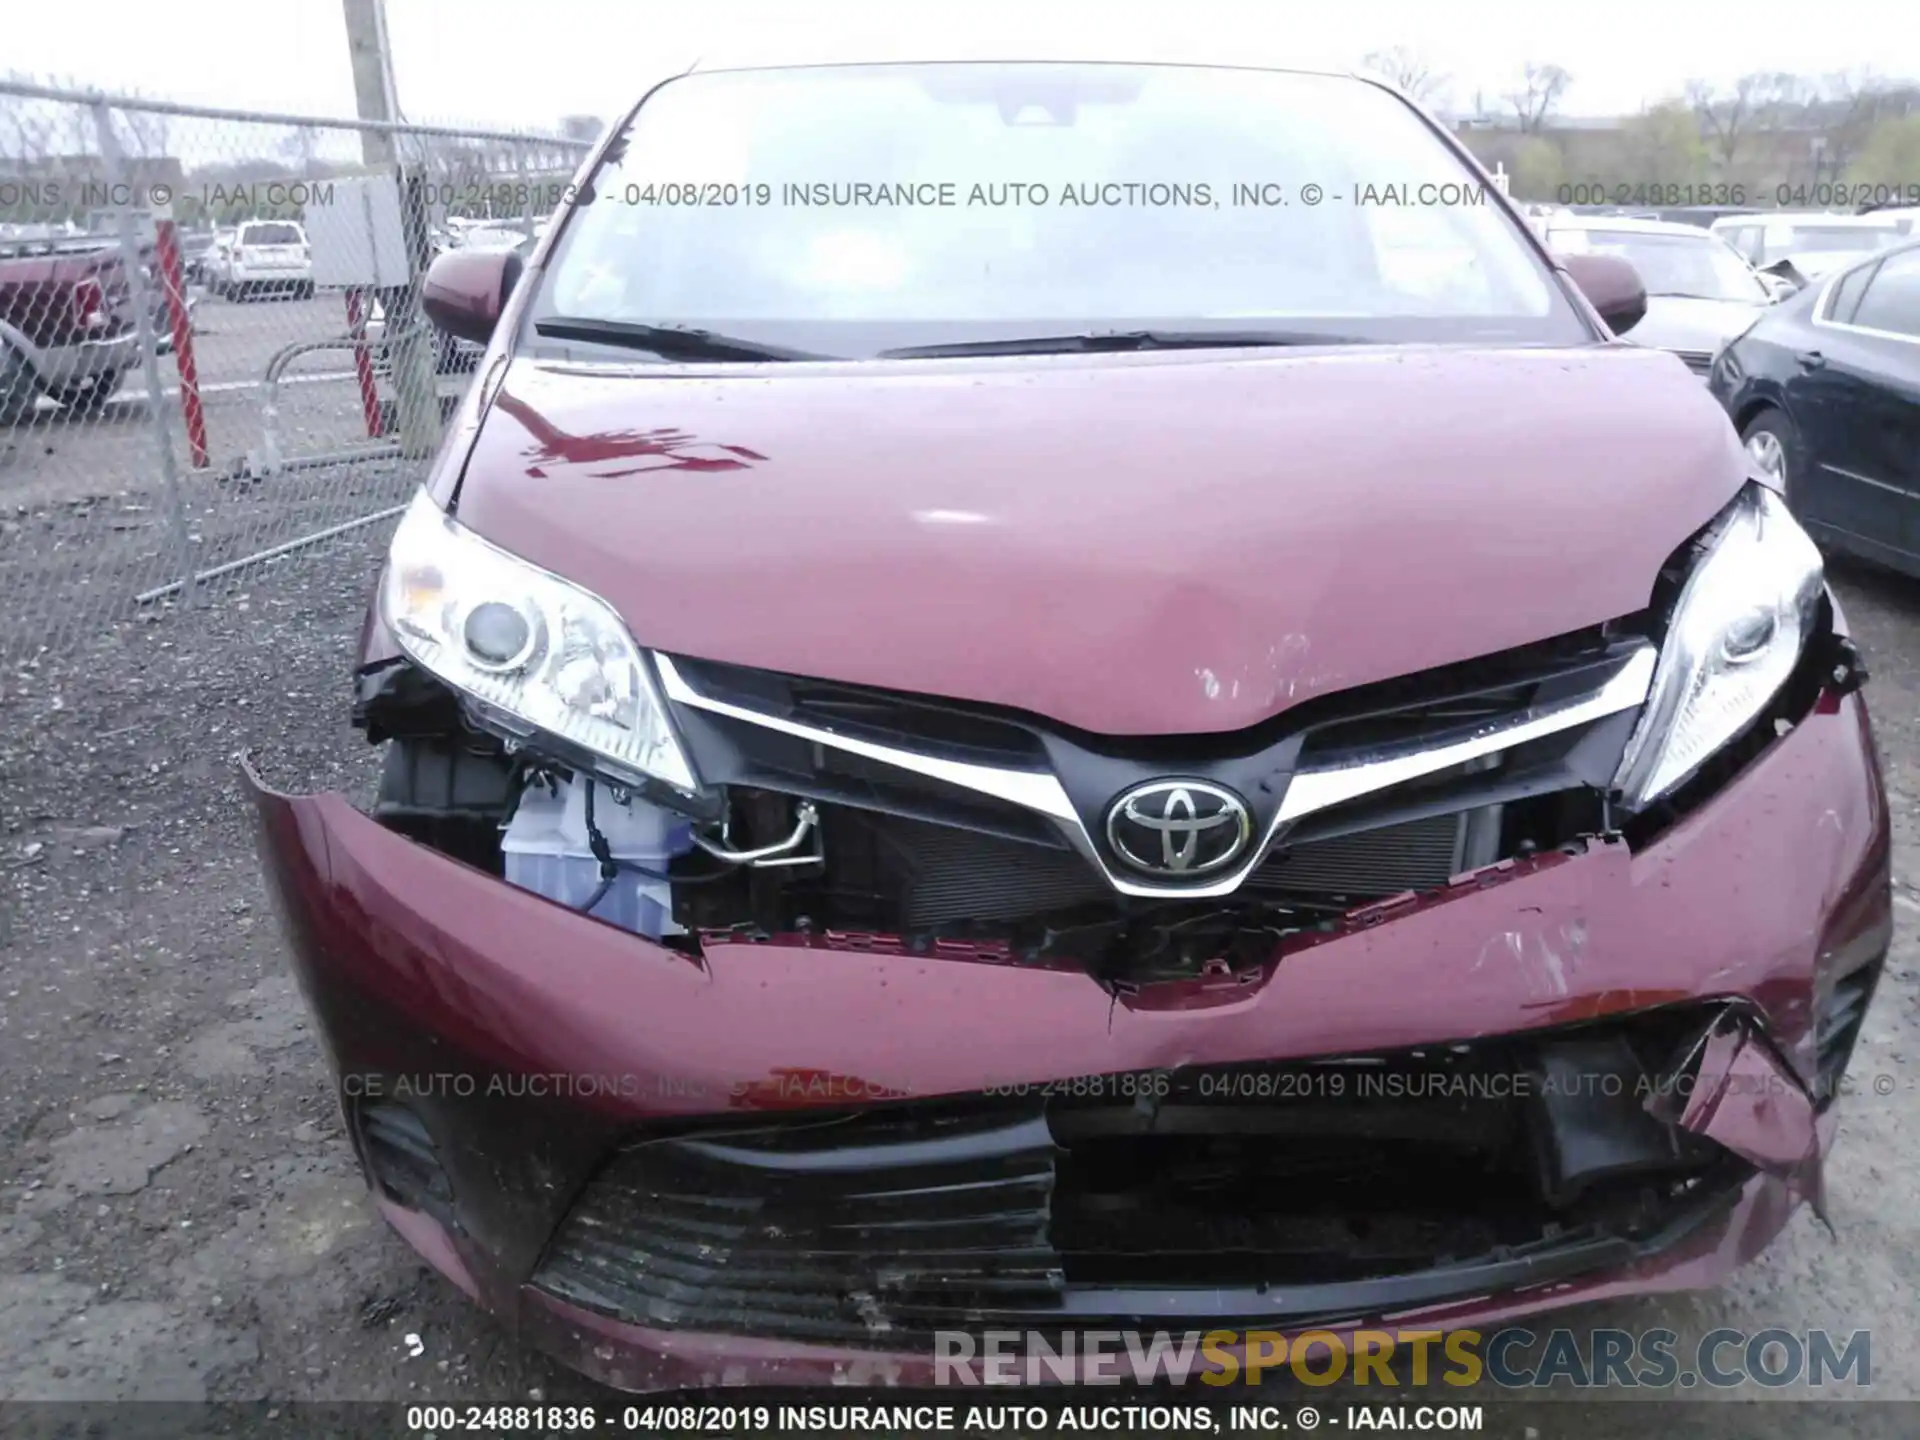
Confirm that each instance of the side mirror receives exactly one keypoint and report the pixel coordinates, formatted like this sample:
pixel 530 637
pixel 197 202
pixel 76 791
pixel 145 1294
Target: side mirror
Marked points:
pixel 1612 286
pixel 466 290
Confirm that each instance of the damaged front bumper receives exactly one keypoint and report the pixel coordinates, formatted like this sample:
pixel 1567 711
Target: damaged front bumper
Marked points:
pixel 794 1162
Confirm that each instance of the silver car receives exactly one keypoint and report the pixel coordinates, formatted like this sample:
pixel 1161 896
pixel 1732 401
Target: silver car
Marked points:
pixel 1701 292
pixel 1816 244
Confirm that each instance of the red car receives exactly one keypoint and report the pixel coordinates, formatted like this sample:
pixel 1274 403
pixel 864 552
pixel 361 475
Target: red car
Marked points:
pixel 1050 697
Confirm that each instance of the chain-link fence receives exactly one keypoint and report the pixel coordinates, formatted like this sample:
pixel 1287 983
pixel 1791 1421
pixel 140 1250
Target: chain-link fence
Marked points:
pixel 212 356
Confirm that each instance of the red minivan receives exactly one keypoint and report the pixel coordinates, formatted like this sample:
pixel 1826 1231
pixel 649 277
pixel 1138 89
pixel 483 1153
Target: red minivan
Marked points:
pixel 1078 697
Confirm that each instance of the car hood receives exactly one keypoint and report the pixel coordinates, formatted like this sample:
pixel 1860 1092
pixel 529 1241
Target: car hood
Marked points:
pixel 1130 544
pixel 1684 322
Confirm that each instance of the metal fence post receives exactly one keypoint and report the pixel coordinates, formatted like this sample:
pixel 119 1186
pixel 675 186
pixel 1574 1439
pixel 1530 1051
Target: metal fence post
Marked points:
pixel 113 158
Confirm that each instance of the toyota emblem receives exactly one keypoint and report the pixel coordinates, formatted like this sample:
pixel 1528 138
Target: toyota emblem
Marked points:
pixel 1180 828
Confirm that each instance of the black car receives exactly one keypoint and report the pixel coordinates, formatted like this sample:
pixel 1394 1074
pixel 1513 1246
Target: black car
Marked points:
pixel 1825 391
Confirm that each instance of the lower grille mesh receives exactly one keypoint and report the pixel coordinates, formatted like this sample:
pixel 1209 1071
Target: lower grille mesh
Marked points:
pixel 884 1226
pixel 747 1234
pixel 961 875
pixel 1416 855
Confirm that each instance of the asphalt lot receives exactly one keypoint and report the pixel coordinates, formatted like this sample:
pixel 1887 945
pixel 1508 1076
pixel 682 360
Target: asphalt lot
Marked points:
pixel 180 1216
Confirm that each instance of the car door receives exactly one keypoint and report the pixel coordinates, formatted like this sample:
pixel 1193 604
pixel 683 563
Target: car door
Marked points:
pixel 1866 367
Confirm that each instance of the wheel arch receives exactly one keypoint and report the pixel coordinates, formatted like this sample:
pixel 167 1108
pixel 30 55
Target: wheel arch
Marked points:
pixel 1754 406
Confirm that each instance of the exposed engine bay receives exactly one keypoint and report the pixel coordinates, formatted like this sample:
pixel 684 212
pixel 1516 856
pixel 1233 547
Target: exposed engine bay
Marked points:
pixel 799 840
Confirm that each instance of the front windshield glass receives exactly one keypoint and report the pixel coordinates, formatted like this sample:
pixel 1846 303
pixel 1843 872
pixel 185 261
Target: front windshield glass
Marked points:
pixel 1701 266
pixel 847 209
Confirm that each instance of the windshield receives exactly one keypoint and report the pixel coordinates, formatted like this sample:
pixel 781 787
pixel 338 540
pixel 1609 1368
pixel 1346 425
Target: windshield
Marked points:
pixel 851 209
pixel 1700 265
pixel 275 234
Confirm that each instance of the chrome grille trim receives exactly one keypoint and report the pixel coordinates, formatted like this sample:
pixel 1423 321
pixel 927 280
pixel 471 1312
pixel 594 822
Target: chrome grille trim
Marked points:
pixel 1035 790
pixel 1313 790
pixel 1310 790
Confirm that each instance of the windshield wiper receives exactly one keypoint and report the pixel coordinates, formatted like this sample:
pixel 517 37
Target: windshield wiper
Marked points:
pixel 1685 295
pixel 672 342
pixel 1096 341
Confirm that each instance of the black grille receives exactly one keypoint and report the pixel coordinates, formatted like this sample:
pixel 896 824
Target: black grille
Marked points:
pixel 1700 362
pixel 1409 707
pixel 906 853
pixel 883 1226
pixel 1368 864
pixel 823 1231
pixel 942 874
pixel 923 723
pixel 952 875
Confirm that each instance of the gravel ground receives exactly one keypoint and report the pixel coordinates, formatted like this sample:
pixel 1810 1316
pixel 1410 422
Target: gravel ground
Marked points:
pixel 180 1217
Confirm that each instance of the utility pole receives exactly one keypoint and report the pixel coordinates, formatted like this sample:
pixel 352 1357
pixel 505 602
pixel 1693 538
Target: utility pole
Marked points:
pixel 410 344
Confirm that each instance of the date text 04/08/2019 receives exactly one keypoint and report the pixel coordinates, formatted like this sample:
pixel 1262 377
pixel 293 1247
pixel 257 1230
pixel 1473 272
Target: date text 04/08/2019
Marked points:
pixel 845 1417
pixel 1826 195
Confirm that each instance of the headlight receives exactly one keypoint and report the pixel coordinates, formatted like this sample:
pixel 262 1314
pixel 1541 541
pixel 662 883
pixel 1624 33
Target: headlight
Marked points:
pixel 535 652
pixel 1738 631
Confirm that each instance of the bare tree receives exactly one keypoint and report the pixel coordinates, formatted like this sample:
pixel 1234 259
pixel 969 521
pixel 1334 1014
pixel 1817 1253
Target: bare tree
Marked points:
pixel 1539 91
pixel 1849 102
pixel 1730 118
pixel 1662 146
pixel 1404 68
pixel 581 127
pixel 1890 154
pixel 1538 169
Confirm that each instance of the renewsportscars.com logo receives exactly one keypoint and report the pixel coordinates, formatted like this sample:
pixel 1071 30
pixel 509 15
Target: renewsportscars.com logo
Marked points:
pixel 1513 1358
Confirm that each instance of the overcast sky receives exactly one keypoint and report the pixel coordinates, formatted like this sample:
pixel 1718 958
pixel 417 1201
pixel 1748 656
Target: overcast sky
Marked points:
pixel 526 62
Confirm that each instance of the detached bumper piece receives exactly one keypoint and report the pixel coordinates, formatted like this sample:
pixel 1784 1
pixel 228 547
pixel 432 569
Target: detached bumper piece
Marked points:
pixel 1735 1088
pixel 1265 1194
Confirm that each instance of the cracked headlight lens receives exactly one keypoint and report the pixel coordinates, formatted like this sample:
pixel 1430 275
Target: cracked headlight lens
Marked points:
pixel 1739 628
pixel 535 652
